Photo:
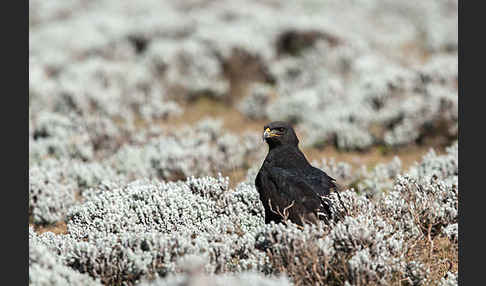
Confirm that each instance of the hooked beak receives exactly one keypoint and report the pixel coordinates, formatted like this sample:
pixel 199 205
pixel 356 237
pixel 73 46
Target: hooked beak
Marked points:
pixel 268 133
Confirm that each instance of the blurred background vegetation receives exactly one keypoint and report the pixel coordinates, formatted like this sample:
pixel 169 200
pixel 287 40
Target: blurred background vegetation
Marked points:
pixel 169 89
pixel 133 103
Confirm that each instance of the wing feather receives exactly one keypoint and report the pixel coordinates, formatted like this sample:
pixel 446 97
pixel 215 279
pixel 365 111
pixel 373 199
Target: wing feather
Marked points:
pixel 307 192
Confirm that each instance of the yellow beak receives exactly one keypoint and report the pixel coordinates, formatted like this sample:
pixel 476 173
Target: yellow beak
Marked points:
pixel 269 133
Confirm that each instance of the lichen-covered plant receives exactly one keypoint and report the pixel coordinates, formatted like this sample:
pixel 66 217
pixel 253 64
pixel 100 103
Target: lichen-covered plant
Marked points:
pixel 142 194
pixel 125 232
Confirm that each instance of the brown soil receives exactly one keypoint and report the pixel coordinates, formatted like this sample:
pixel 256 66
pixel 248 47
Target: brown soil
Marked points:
pixel 59 227
pixel 205 107
pixel 235 122
pixel 408 155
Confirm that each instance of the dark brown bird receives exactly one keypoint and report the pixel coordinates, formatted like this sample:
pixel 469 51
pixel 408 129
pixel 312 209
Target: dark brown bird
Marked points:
pixel 289 186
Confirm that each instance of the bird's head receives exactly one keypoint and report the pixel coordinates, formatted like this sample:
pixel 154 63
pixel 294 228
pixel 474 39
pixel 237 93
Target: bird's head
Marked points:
pixel 279 133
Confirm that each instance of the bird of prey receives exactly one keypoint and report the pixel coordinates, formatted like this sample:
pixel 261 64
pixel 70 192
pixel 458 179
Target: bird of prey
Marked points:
pixel 289 186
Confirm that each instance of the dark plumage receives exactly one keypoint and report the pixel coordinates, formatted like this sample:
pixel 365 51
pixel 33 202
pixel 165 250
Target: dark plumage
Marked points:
pixel 288 185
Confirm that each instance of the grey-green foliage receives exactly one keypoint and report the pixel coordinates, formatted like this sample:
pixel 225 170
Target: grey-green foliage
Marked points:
pixel 254 104
pixel 47 268
pixel 59 136
pixel 244 279
pixel 200 150
pixel 141 230
pixel 143 227
pixel 191 65
pixel 392 105
pixel 204 149
pixel 380 179
pixel 193 274
pixel 54 186
pixel 450 279
pixel 198 205
pixel 451 231
pixel 50 194
pixel 92 95
pixel 128 63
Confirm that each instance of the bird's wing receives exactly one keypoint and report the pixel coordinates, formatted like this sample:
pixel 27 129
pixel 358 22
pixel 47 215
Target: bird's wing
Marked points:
pixel 293 185
pixel 321 183
pixel 270 195
pixel 293 163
